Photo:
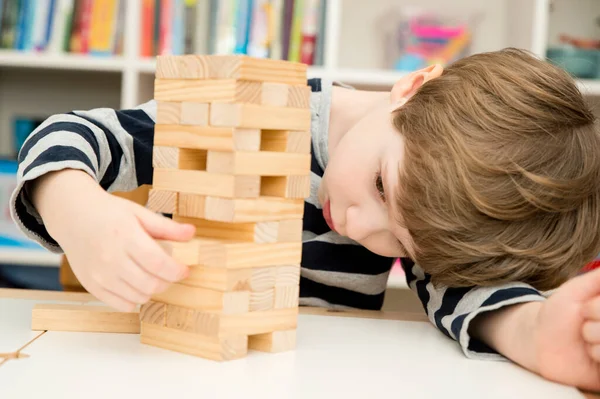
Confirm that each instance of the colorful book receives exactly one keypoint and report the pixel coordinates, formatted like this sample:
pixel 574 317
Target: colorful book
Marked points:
pixel 258 45
pixel 296 31
pixel 309 30
pixel 147 28
pixel 103 27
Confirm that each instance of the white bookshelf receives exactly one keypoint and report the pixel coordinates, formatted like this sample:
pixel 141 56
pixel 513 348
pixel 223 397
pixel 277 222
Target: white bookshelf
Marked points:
pixel 43 84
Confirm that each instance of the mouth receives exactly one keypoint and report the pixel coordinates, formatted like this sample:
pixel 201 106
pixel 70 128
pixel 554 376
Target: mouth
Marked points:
pixel 327 215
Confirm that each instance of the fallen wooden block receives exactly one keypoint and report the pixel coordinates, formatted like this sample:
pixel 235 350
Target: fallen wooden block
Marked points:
pixel 230 67
pixel 83 318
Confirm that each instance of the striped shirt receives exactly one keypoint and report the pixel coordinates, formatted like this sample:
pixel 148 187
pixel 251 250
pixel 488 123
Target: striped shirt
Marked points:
pixel 115 148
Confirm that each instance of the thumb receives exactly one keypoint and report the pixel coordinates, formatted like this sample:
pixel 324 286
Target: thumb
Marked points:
pixel 583 287
pixel 162 228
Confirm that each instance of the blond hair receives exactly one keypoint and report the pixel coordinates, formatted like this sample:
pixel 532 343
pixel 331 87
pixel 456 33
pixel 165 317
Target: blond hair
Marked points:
pixel 501 180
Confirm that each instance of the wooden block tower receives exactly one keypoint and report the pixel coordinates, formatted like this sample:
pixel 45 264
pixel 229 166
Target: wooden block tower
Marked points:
pixel 231 156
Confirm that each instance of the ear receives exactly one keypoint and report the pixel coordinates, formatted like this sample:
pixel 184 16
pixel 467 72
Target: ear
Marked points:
pixel 409 84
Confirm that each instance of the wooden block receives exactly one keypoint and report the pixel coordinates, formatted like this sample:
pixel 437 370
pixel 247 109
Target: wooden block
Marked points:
pixel 165 157
pixel 287 296
pixel 262 300
pixel 223 325
pixel 259 116
pixel 192 206
pixel 253 210
pixel 209 138
pixel 258 163
pixel 273 342
pixel 251 279
pixel 162 201
pixel 285 186
pixel 230 67
pixel 219 279
pixel 205 299
pixel 195 114
pixel 285 141
pixel 287 275
pixel 281 95
pixel 241 255
pixel 187 253
pixel 208 91
pixel 233 254
pixel 178 158
pixel 214 348
pixel 263 279
pixel 204 183
pixel 83 318
pixel 193 321
pixel 168 113
pixel 154 313
pixel 259 232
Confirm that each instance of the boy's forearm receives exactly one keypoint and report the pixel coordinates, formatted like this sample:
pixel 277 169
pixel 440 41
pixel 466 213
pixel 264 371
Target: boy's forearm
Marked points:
pixel 57 194
pixel 511 332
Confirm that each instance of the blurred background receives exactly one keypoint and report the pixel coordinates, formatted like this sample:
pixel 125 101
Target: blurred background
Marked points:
pixel 63 55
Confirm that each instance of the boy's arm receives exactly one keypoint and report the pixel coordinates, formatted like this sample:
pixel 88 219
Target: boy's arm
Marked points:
pixel 113 147
pixel 454 310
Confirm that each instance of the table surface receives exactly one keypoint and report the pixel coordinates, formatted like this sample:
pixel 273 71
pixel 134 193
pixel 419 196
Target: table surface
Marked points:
pixel 346 355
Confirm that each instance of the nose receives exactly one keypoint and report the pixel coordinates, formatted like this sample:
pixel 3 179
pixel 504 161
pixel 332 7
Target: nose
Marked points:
pixel 360 224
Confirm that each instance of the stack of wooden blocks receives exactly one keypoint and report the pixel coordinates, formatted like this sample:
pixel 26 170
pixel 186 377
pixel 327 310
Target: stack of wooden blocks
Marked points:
pixel 232 157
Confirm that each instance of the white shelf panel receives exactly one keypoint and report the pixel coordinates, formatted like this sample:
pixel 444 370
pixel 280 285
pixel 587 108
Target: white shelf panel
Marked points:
pixel 61 61
pixel 25 257
pixel 590 87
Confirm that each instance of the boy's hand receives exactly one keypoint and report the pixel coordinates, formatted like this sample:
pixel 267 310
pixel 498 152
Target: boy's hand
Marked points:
pixel 110 241
pixel 558 338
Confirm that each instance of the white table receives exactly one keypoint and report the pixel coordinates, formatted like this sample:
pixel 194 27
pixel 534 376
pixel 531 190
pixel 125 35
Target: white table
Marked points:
pixel 345 357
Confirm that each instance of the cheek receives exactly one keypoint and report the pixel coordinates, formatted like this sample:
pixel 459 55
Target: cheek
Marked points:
pixel 384 244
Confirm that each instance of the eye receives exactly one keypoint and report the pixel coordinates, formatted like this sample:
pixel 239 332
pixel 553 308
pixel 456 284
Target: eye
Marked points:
pixel 379 186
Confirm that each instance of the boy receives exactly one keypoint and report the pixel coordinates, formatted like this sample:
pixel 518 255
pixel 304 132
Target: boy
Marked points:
pixel 484 179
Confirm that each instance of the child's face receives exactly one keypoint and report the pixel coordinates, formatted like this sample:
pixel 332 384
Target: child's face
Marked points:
pixel 359 183
pixel 358 188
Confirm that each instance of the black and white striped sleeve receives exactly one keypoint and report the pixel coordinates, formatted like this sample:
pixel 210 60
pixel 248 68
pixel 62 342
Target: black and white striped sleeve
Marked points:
pixel 114 147
pixel 451 310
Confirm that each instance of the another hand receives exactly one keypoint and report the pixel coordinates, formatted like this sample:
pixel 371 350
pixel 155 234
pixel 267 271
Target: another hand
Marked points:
pixel 568 333
pixel 110 242
pixel 558 338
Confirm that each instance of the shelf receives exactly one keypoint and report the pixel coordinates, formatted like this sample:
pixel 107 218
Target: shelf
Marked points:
pixel 590 87
pixel 10 58
pixel 25 257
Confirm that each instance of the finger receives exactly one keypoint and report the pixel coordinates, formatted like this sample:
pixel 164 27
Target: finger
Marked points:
pixel 111 299
pixel 591 332
pixel 163 228
pixel 591 309
pixel 153 259
pixel 125 291
pixel 584 287
pixel 594 352
pixel 141 280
